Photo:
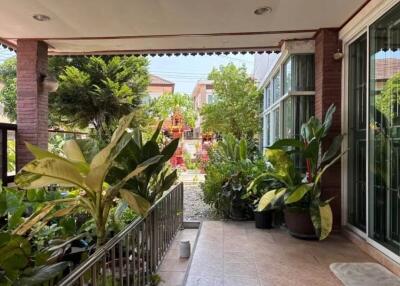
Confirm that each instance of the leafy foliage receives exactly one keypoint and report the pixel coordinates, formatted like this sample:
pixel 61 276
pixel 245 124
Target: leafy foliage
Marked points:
pixel 93 91
pixel 19 265
pixel 98 91
pixel 388 98
pixel 236 109
pixel 230 168
pixel 153 181
pixel 164 106
pixel 11 156
pixel 8 75
pixel 34 259
pixel 96 196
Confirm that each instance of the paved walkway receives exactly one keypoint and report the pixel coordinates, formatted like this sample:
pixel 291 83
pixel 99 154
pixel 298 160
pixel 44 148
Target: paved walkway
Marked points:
pixel 238 254
pixel 194 207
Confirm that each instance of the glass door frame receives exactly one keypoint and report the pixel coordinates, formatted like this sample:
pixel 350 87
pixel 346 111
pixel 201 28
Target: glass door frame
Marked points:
pixel 364 33
pixel 350 35
pixel 345 129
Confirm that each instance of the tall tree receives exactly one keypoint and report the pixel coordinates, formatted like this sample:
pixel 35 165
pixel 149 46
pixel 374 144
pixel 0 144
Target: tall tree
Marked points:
pixel 8 76
pixel 97 91
pixel 388 102
pixel 163 107
pixel 237 103
pixel 93 91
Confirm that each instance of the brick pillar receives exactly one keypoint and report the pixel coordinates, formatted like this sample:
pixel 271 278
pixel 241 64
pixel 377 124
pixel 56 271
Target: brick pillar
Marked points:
pixel 327 92
pixel 32 102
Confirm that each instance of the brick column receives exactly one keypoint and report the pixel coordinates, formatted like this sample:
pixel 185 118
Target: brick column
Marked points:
pixel 32 102
pixel 327 92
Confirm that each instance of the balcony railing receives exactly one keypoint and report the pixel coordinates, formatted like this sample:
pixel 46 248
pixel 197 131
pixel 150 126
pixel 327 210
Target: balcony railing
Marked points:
pixel 132 257
pixel 8 152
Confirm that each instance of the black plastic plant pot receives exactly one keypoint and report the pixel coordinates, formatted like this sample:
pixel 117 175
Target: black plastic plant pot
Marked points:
pixel 263 219
pixel 237 213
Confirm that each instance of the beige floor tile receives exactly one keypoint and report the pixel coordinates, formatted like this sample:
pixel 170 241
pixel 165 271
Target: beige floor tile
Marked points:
pixel 243 255
pixel 248 270
pixel 204 281
pixel 240 281
pixel 172 278
pixel 174 265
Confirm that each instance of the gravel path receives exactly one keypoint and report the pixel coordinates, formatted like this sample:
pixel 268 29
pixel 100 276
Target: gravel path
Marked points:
pixel 194 207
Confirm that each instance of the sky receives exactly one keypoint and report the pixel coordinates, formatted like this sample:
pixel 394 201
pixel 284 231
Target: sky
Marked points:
pixel 5 54
pixel 184 71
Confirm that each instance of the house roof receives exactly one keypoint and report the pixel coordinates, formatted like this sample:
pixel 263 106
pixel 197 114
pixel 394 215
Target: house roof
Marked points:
pixel 169 27
pixel 156 80
pixel 386 68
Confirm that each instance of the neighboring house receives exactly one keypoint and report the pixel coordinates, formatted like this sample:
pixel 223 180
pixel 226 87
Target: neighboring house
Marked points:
pixel 385 69
pixel 202 94
pixel 158 86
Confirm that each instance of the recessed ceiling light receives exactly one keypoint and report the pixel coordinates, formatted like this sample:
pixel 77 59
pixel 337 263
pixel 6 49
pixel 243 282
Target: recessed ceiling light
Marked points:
pixel 41 17
pixel 262 10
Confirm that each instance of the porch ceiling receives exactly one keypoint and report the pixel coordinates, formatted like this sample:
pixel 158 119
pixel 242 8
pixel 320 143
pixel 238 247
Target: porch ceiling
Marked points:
pixel 119 26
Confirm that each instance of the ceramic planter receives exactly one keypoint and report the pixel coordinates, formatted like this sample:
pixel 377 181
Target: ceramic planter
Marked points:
pixel 299 223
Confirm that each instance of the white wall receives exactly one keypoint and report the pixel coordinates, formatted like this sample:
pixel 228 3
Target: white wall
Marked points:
pixel 263 64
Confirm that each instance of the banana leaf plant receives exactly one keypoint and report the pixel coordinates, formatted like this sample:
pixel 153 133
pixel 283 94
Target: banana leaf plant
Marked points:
pixel 155 179
pixel 97 196
pixel 302 190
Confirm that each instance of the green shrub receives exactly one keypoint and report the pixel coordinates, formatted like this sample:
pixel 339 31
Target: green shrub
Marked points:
pixel 230 168
pixel 191 164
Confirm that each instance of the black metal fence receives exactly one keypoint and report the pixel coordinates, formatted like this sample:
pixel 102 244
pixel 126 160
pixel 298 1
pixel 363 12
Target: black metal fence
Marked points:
pixel 8 152
pixel 132 257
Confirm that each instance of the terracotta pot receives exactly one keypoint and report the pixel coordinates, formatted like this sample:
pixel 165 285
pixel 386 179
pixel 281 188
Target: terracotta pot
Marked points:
pixel 299 223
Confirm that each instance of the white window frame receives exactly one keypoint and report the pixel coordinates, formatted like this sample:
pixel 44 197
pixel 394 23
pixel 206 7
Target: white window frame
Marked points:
pixel 278 104
pixel 359 25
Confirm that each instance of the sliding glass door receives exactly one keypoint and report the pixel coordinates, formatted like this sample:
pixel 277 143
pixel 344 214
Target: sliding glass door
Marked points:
pixel 357 185
pixel 384 130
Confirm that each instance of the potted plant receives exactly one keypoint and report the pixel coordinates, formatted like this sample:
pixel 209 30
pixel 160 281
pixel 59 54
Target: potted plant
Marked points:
pixel 307 215
pixel 230 168
pixel 263 217
pixel 233 191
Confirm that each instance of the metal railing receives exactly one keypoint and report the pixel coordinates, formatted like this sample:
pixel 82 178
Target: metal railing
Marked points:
pixel 132 257
pixel 8 152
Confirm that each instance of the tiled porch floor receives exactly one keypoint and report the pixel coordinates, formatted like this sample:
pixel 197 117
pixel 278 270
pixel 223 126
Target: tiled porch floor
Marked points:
pixel 236 253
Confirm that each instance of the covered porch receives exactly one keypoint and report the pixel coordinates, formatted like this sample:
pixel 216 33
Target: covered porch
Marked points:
pixel 226 253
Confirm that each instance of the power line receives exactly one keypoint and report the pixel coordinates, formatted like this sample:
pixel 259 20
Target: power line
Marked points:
pixel 235 59
pixel 178 72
